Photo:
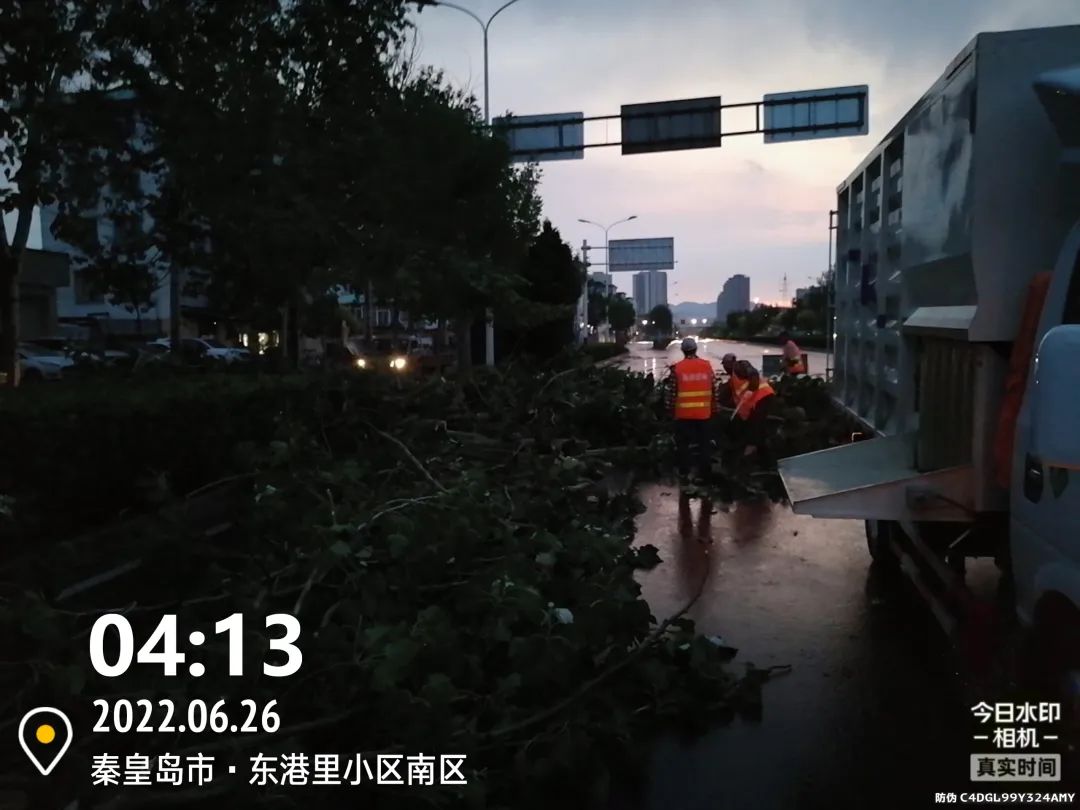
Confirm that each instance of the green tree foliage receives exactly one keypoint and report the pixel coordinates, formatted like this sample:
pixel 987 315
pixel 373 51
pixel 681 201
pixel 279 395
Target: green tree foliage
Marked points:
pixel 809 320
pixel 286 145
pixel 543 316
pixel 49 48
pixel 621 313
pixel 661 320
pixel 806 319
pixel 598 300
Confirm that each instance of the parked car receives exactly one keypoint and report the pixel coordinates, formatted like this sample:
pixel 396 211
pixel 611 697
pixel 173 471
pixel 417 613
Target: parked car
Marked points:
pixel 81 352
pixel 37 363
pixel 206 348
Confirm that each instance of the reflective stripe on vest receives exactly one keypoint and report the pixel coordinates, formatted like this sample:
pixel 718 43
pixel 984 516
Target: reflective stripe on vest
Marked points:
pixel 750 400
pixel 693 388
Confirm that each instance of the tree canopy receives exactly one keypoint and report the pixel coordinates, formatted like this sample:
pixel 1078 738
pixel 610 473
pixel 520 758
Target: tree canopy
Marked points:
pixel 277 148
pixel 621 313
pixel 660 319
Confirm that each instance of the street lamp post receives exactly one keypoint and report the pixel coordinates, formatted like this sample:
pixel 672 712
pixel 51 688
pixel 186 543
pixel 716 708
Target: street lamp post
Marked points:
pixel 484 26
pixel 607 253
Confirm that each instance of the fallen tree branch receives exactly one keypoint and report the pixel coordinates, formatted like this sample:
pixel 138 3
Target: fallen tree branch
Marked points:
pixel 220 482
pixel 653 637
pixel 553 378
pixel 409 455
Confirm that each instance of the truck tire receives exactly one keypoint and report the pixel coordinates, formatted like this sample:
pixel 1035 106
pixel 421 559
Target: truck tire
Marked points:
pixel 879 536
pixel 1056 658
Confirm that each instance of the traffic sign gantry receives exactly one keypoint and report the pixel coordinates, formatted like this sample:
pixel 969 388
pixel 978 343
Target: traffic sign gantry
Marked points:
pixel 665 126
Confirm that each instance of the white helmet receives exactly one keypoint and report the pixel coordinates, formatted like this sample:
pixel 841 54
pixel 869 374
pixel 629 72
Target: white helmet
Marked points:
pixel 689 345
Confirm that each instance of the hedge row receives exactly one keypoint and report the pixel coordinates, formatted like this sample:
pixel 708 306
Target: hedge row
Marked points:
pixel 77 455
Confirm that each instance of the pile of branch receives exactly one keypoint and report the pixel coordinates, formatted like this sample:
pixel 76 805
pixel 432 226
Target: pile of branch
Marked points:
pixel 460 563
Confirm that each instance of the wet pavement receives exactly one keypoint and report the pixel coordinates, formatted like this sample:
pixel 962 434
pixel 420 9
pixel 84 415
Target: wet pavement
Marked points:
pixel 645 360
pixel 872 713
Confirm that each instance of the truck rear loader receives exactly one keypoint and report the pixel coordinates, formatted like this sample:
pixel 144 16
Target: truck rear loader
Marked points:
pixel 956 297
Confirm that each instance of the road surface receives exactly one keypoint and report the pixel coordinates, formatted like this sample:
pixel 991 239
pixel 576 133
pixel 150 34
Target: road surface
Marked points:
pixel 644 359
pixel 872 714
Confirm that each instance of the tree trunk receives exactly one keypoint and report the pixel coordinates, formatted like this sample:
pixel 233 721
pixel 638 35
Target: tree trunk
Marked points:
pixel 294 332
pixel 369 312
pixel 463 336
pixel 9 315
pixel 283 344
pixel 174 307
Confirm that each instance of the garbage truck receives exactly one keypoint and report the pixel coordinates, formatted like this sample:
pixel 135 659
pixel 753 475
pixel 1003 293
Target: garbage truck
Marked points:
pixel 956 309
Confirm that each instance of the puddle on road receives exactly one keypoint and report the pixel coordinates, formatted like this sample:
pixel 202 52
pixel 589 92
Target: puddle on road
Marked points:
pixel 871 704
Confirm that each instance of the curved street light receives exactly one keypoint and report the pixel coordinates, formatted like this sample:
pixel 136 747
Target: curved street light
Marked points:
pixel 605 229
pixel 607 252
pixel 489 332
pixel 484 26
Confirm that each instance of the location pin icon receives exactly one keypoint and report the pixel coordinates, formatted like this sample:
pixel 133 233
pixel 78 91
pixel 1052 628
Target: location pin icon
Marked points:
pixel 45 735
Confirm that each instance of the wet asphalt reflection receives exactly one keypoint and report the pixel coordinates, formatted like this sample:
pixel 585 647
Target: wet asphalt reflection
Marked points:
pixel 872 713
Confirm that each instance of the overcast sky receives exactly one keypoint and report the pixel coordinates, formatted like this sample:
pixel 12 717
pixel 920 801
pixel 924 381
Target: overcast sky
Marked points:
pixel 746 207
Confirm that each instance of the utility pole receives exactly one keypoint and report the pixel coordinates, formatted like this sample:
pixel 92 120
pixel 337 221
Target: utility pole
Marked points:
pixel 783 291
pixel 830 299
pixel 174 310
pixel 585 289
pixel 607 254
pixel 489 317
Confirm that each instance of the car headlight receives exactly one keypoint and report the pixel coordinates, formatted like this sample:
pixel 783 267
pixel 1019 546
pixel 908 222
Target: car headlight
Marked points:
pixel 398 363
pixel 361 362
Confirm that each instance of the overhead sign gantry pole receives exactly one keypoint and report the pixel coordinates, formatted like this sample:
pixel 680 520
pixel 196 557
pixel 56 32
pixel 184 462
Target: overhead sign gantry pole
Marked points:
pixel 666 126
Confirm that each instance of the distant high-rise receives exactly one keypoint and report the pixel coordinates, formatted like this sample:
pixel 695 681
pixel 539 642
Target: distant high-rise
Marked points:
pixel 650 290
pixel 735 297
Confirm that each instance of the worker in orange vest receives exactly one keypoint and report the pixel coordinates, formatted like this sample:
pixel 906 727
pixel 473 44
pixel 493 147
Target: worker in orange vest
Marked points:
pixel 793 362
pixel 753 406
pixel 693 405
pixel 730 394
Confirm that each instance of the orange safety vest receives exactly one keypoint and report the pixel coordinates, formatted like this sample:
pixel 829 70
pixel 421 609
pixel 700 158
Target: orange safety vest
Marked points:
pixel 750 399
pixel 793 358
pixel 738 385
pixel 693 388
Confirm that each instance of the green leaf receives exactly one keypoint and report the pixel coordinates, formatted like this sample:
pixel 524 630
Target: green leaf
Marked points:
pixel 438 689
pixel 545 559
pixel 399 544
pixel 396 659
pixel 508 686
pixel 340 549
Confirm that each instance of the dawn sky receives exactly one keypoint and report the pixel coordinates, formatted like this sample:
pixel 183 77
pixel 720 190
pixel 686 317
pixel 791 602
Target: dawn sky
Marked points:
pixel 746 207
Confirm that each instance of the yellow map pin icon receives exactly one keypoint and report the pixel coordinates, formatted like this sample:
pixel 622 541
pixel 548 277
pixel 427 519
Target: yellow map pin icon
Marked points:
pixel 45 735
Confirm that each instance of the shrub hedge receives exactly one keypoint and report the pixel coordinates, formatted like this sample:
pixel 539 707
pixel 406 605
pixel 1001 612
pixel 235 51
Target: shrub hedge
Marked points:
pixel 75 455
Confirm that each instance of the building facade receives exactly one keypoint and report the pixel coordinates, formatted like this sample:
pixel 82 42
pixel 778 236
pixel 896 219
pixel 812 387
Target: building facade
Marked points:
pixel 78 301
pixel 650 290
pixel 735 297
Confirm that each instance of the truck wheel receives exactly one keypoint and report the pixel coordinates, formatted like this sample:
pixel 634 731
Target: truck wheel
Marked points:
pixel 879 536
pixel 1063 653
